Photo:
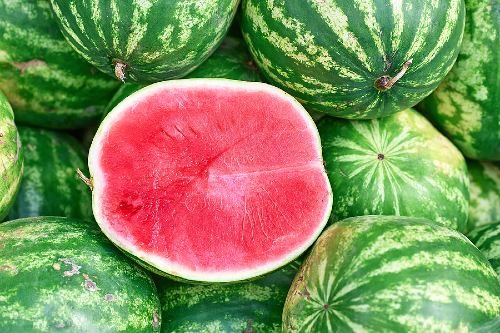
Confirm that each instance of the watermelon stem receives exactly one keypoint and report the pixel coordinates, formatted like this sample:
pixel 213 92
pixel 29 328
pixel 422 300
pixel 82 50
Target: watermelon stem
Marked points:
pixel 84 179
pixel 385 82
pixel 120 70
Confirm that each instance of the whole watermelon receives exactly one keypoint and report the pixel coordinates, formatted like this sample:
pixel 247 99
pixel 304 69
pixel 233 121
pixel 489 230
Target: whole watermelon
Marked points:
pixel 484 206
pixel 230 61
pixel 11 157
pixel 145 41
pixel 465 106
pixel 63 275
pixel 398 165
pixel 252 307
pixel 47 83
pixel 358 59
pixel 392 274
pixel 50 185
pixel 487 239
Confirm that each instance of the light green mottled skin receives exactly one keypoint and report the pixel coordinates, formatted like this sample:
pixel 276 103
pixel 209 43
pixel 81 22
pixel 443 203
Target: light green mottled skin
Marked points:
pixel 252 307
pixel 11 158
pixel 63 275
pixel 330 53
pixel 465 106
pixel 398 165
pixel 155 39
pixel 487 239
pixel 230 61
pixel 46 82
pixel 50 185
pixel 484 206
pixel 392 274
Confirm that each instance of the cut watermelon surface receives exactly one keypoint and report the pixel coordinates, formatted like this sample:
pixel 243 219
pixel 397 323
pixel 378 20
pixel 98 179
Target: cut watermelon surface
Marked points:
pixel 210 179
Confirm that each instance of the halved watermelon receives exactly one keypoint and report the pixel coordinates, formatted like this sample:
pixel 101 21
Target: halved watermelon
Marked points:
pixel 210 179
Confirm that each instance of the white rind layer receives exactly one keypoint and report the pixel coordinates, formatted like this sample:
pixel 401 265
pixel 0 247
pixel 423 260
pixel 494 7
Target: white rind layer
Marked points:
pixel 159 262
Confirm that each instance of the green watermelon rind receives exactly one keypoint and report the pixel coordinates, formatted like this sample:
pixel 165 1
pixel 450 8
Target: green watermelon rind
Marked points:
pixel 394 274
pixel 153 41
pixel 487 239
pixel 62 274
pixel 330 54
pixel 11 158
pixel 47 83
pixel 50 185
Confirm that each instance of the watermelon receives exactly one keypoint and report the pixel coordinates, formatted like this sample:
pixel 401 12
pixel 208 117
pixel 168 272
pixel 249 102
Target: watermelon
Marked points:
pixel 484 205
pixel 145 41
pixel 465 106
pixel 230 61
pixel 11 158
pixel 46 82
pixel 359 59
pixel 50 185
pixel 61 274
pixel 392 274
pixel 487 239
pixel 398 165
pixel 251 307
pixel 210 180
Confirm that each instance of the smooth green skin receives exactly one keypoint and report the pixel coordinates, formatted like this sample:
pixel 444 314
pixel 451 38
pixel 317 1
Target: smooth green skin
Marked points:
pixel 50 185
pixel 230 61
pixel 11 157
pixel 465 106
pixel 398 165
pixel 487 239
pixel 484 207
pixel 156 40
pixel 63 275
pixel 392 274
pixel 48 84
pixel 329 54
pixel 251 307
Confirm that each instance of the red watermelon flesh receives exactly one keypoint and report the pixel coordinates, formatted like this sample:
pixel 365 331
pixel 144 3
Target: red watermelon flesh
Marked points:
pixel 210 179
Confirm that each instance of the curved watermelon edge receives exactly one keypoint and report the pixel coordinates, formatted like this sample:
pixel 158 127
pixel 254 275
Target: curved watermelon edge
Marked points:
pixel 156 263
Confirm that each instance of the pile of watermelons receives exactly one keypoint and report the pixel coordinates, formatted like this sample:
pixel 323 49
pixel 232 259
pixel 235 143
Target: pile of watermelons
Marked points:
pixel 211 166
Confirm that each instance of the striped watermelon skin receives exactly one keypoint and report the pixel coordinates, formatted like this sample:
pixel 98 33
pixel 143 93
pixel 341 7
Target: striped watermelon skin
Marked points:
pixel 487 239
pixel 50 185
pixel 484 202
pixel 62 274
pixel 45 80
pixel 329 54
pixel 251 307
pixel 11 157
pixel 152 40
pixel 230 61
pixel 465 106
pixel 398 165
pixel 392 274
